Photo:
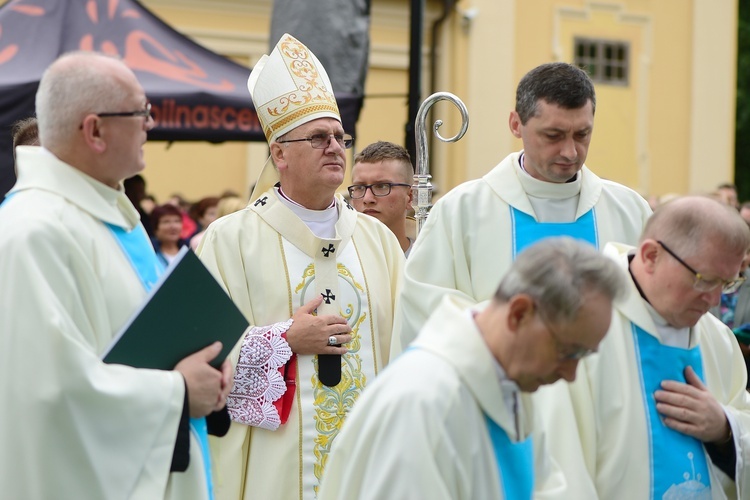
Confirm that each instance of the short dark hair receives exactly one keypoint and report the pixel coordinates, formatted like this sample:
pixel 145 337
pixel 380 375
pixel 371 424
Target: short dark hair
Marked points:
pixel 162 211
pixel 558 83
pixel 25 133
pixel 383 151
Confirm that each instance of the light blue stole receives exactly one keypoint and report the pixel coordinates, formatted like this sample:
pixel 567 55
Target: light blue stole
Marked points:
pixel 7 197
pixel 678 462
pixel 515 462
pixel 527 231
pixel 137 247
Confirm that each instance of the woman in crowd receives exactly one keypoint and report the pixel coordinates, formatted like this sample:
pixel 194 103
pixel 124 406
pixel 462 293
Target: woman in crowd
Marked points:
pixel 167 224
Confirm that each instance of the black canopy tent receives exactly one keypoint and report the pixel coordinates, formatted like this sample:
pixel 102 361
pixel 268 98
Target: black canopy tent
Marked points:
pixel 195 93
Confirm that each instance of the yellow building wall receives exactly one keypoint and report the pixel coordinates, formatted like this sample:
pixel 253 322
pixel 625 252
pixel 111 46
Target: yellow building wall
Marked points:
pixel 669 130
pixel 239 30
pixel 658 133
pixel 713 97
pixel 625 132
pixel 613 152
pixel 669 107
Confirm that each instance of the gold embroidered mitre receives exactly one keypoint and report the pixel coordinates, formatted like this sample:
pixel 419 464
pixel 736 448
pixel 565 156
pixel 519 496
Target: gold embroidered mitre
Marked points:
pixel 290 87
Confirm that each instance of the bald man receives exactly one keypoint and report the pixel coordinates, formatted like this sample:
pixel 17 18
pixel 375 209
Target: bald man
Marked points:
pixel 662 410
pixel 77 264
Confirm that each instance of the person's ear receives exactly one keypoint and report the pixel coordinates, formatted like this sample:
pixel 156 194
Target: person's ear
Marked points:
pixel 278 155
pixel 514 123
pixel 92 133
pixel 649 253
pixel 520 311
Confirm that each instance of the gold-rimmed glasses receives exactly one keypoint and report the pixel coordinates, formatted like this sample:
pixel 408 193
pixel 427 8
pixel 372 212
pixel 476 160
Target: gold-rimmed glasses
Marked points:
pixel 701 283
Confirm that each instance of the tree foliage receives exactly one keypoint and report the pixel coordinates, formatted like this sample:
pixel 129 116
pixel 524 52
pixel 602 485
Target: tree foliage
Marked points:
pixel 742 133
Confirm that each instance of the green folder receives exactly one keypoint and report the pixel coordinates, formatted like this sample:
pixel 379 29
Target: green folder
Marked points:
pixel 185 311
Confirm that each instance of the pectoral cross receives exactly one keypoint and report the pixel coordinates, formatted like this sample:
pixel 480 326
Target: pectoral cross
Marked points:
pixel 328 296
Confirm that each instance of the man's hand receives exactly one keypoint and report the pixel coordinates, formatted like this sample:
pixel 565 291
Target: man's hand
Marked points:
pixel 227 382
pixel 207 387
pixel 691 409
pixel 309 334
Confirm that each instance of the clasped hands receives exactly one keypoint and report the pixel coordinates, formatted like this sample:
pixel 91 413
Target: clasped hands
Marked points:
pixel 691 409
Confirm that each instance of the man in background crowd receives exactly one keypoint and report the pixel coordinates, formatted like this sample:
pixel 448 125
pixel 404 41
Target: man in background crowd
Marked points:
pixel 381 187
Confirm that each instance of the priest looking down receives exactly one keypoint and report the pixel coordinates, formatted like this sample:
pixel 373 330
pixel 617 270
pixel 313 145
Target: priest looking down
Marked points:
pixel 448 420
pixel 317 279
pixel 662 411
pixel 474 232
pixel 76 264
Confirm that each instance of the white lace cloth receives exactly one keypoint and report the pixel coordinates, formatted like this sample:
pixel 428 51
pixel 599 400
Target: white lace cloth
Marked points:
pixel 257 381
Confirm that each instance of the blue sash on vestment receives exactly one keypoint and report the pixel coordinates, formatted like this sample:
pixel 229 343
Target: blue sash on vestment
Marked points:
pixel 678 462
pixel 7 197
pixel 527 231
pixel 515 461
pixel 137 247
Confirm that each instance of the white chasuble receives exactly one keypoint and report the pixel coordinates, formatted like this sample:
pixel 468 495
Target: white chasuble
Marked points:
pixel 74 427
pixel 466 245
pixel 421 430
pixel 271 264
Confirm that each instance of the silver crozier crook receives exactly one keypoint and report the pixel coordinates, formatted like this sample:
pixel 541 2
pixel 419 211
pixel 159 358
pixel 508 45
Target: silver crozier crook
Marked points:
pixel 422 188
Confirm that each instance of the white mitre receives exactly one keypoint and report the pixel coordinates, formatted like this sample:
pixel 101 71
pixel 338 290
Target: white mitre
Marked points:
pixel 290 87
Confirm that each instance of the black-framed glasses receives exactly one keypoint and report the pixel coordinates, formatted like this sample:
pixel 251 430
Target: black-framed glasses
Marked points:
pixel 565 352
pixel 702 284
pixel 380 189
pixel 145 112
pixel 322 141
pixel 142 113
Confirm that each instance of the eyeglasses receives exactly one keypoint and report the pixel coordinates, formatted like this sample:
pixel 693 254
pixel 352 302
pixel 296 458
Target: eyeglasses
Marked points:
pixel 380 189
pixel 565 352
pixel 141 112
pixel 705 285
pixel 322 141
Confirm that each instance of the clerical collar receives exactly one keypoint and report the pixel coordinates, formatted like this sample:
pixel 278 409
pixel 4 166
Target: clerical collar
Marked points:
pixel 322 223
pixel 548 190
pixel 287 198
pixel 551 201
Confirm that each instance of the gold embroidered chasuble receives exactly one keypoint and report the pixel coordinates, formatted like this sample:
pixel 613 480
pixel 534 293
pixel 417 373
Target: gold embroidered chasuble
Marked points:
pixel 271 264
